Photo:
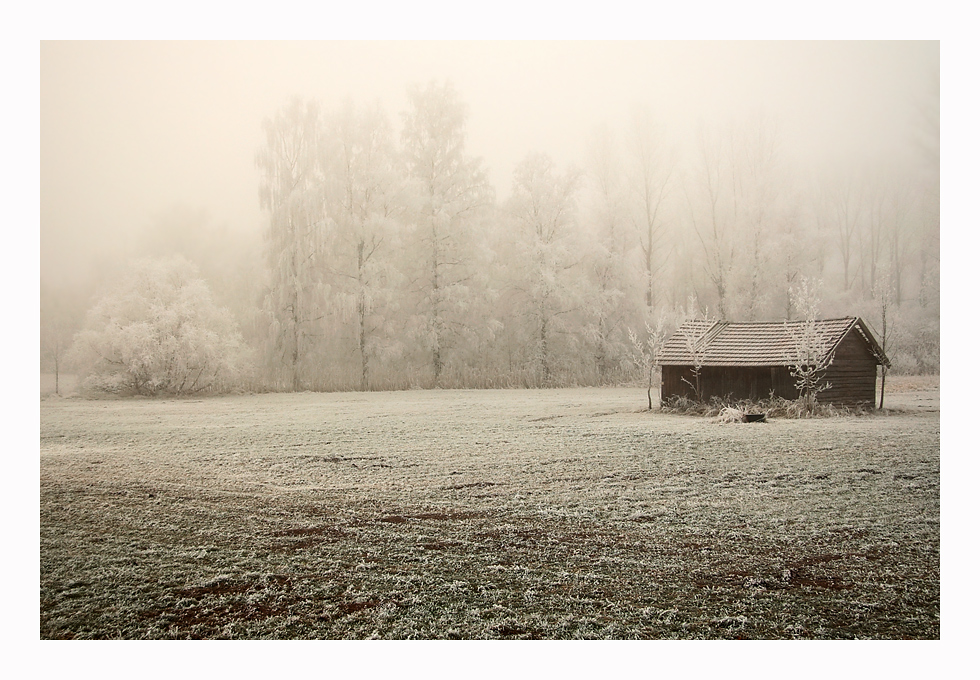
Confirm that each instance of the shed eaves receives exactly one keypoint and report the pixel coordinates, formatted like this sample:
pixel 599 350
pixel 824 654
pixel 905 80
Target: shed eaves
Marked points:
pixel 749 344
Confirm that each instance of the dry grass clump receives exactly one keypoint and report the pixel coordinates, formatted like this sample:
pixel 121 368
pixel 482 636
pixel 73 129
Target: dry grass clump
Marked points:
pixel 731 414
pixel 729 411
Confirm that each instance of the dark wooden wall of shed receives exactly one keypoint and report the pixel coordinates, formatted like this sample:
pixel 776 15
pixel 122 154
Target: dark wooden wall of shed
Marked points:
pixel 729 382
pixel 852 376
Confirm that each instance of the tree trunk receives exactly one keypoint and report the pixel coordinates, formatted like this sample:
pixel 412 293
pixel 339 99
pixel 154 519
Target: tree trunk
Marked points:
pixel 294 359
pixel 650 390
pixel 543 339
pixel 361 314
pixel 364 360
pixel 295 356
pixel 649 254
pixel 884 343
pixel 436 293
pixel 881 400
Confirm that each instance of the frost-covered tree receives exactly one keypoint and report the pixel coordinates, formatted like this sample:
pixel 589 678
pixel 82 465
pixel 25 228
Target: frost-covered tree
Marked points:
pixel 364 197
pixel 646 352
pixel 611 271
pixel 451 190
pixel 291 191
pixel 59 320
pixel 808 359
pixel 159 332
pixel 693 329
pixel 543 206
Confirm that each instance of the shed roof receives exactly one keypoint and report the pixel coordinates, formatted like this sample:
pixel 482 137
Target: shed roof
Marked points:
pixel 765 343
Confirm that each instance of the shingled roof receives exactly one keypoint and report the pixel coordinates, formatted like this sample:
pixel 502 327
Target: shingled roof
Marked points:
pixel 767 343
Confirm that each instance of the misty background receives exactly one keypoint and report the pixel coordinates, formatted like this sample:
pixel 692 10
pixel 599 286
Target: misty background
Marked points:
pixel 592 189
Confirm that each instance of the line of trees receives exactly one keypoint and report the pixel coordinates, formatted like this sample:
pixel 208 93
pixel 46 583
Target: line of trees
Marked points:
pixel 390 262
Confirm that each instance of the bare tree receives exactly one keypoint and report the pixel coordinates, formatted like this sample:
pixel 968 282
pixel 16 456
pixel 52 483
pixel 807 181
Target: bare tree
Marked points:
pixel 842 212
pixel 757 148
pixel 899 241
pixel 650 172
pixel 885 239
pixel 794 254
pixel 883 294
pixel 872 238
pixel 927 187
pixel 713 201
pixel 58 323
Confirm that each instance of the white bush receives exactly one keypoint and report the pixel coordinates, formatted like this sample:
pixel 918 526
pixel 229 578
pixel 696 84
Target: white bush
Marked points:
pixel 159 332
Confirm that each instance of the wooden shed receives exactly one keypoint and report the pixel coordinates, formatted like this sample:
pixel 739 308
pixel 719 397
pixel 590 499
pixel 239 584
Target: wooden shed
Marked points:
pixel 752 360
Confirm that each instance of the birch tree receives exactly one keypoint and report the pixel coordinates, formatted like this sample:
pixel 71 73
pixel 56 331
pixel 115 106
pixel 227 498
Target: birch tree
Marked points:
pixel 291 192
pixel 610 263
pixel 452 188
pixel 543 205
pixel 364 198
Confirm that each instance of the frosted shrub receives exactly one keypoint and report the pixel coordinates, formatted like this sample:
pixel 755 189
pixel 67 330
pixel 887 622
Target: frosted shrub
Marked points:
pixel 808 359
pixel 903 362
pixel 680 404
pixel 159 332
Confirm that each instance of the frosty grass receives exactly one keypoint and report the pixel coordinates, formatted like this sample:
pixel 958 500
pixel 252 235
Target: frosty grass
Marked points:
pixel 567 513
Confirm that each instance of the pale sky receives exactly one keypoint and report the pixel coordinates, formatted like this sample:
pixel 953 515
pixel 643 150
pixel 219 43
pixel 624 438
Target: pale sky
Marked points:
pixel 129 129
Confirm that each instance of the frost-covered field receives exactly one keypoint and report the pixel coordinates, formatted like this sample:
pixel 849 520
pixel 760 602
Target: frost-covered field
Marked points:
pixel 484 514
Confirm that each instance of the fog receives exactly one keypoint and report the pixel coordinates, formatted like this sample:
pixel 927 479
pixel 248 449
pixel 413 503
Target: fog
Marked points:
pixel 129 129
pixel 144 139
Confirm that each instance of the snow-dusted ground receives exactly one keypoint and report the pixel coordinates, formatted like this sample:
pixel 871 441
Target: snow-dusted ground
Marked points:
pixel 528 513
